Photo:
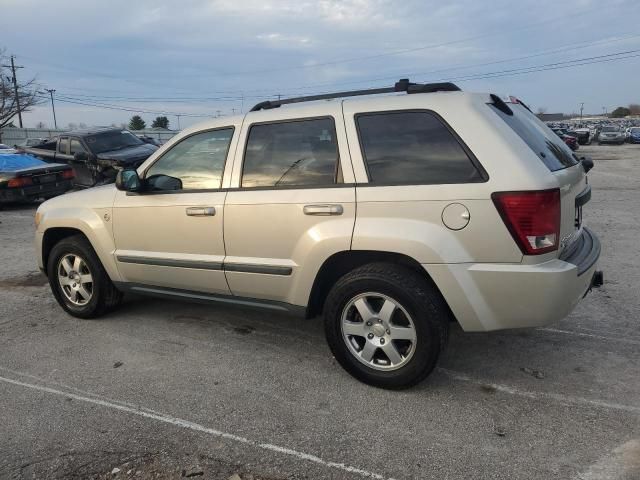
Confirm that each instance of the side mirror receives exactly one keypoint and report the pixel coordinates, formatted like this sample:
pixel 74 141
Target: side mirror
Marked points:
pixel 587 163
pixel 80 156
pixel 128 181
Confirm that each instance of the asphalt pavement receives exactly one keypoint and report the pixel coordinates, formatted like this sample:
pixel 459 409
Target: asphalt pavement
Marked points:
pixel 162 389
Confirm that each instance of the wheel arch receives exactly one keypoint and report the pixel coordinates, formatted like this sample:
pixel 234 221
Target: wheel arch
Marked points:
pixel 341 263
pixel 54 235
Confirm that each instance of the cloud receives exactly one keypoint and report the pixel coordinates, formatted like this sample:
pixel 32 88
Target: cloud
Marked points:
pixel 199 48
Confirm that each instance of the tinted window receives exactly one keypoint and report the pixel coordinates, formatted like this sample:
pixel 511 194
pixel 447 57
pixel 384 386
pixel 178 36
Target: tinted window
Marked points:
pixel 63 144
pixel 412 148
pixel 197 161
pixel 76 146
pixel 296 153
pixel 546 144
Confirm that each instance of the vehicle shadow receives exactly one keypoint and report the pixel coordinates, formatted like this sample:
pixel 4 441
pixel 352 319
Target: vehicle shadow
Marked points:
pixel 505 357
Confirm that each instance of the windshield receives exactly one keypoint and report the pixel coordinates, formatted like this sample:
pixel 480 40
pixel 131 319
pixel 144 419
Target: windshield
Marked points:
pixel 609 129
pixel 112 140
pixel 546 144
pixel 635 130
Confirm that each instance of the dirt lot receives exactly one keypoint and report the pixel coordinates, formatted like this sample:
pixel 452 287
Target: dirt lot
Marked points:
pixel 172 390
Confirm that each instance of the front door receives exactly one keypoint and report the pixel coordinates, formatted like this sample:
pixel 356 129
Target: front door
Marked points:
pixel 293 204
pixel 170 235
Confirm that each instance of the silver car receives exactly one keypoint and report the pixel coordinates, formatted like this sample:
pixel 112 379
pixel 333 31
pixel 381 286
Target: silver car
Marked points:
pixel 390 216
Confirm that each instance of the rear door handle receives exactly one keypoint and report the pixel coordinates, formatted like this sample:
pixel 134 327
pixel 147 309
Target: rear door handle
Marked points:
pixel 201 211
pixel 333 209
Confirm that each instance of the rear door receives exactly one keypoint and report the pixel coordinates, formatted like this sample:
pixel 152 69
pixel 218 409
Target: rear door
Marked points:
pixel 293 204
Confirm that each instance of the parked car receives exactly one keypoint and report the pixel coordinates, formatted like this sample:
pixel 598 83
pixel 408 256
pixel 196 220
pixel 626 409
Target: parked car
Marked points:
pixel 570 140
pixel 634 135
pixel 583 136
pixel 611 134
pixel 389 215
pixel 25 178
pixel 95 154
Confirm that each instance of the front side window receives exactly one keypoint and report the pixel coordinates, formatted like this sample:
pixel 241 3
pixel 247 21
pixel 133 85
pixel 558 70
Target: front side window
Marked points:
pixel 292 153
pixel 75 146
pixel 412 148
pixel 195 163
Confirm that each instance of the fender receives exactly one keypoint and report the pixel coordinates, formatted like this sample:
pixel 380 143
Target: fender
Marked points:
pixel 95 224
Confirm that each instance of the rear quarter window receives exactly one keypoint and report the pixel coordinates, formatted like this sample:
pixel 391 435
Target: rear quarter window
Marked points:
pixel 544 142
pixel 413 148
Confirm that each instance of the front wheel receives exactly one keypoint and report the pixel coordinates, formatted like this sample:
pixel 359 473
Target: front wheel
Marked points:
pixel 78 279
pixel 386 325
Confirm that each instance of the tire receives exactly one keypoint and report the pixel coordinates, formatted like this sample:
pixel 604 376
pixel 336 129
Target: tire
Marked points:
pixel 90 285
pixel 418 305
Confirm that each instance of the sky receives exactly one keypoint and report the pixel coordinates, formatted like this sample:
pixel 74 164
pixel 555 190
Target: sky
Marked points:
pixel 202 58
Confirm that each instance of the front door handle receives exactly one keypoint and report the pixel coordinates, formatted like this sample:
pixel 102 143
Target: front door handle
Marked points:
pixel 333 209
pixel 201 211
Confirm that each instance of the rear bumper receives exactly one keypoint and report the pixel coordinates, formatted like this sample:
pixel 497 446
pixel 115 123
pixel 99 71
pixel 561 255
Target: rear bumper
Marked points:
pixel 47 190
pixel 487 297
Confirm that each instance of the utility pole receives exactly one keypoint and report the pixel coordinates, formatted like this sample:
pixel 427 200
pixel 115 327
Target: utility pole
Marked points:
pixel 178 121
pixel 217 113
pixel 581 108
pixel 51 92
pixel 15 86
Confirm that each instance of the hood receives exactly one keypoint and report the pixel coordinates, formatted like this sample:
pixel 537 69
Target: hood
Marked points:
pixel 95 197
pixel 129 155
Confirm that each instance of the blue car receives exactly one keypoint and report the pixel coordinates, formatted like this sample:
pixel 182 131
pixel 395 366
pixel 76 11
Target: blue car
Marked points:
pixel 634 135
pixel 24 177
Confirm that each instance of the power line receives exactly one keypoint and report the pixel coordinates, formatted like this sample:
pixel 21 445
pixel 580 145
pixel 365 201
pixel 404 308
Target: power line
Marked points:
pixel 504 73
pixel 232 98
pixel 129 109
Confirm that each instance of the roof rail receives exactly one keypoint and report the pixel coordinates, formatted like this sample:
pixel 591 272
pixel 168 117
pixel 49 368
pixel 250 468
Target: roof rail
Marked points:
pixel 403 85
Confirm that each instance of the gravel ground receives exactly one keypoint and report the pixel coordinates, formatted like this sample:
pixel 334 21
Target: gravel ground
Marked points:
pixel 162 389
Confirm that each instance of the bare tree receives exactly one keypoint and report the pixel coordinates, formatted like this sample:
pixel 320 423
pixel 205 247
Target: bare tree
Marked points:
pixel 542 110
pixel 27 93
pixel 634 108
pixel 41 125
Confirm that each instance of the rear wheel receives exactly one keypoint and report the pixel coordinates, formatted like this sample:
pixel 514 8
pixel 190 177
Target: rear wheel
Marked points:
pixel 78 279
pixel 386 325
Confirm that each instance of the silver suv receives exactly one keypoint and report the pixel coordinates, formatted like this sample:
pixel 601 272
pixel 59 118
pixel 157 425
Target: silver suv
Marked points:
pixel 390 215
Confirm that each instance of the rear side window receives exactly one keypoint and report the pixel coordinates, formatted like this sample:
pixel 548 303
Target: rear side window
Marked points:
pixel 546 144
pixel 63 145
pixel 292 153
pixel 75 146
pixel 413 148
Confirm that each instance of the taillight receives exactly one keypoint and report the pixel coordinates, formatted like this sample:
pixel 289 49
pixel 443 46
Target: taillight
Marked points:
pixel 68 174
pixel 19 182
pixel 532 217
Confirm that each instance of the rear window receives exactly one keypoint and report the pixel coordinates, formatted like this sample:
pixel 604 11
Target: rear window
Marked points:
pixel 548 146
